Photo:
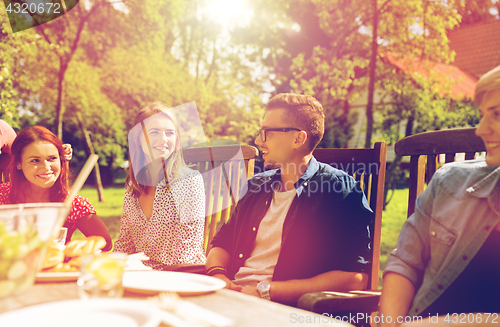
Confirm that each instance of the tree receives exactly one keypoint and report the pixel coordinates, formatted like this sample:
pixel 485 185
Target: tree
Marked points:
pixel 298 54
pixel 12 48
pixel 41 69
pixel 112 60
pixel 63 35
pixel 228 90
pixel 418 104
pixel 333 38
pixel 372 75
pixel 415 28
pixel 473 11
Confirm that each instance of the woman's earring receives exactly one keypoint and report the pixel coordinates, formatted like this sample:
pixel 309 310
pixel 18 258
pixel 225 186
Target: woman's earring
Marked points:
pixel 18 167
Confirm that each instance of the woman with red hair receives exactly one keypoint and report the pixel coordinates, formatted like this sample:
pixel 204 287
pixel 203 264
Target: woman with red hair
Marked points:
pixel 39 172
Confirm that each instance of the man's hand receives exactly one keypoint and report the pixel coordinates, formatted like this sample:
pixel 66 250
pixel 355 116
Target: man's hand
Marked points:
pixel 218 257
pixel 250 290
pixel 229 284
pixel 397 295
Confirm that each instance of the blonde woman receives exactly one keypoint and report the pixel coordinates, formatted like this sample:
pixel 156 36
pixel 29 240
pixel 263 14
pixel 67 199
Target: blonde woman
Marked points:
pixel 164 205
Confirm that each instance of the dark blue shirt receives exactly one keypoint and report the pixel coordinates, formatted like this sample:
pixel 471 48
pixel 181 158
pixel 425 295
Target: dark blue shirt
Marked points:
pixel 326 228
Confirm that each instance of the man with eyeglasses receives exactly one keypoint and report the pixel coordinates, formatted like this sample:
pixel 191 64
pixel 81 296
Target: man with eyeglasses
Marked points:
pixel 302 226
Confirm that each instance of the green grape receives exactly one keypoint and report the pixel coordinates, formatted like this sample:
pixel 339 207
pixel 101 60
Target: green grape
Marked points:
pixel 4 268
pixel 18 253
pixel 6 287
pixel 17 270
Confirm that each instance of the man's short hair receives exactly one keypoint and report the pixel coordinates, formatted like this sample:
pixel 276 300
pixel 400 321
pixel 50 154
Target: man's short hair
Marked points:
pixel 487 82
pixel 301 111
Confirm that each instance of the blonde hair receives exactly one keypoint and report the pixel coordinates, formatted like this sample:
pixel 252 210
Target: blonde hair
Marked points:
pixel 487 82
pixel 172 167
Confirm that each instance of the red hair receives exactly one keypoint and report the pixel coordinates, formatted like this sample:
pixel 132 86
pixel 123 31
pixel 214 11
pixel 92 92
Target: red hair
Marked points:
pixel 60 189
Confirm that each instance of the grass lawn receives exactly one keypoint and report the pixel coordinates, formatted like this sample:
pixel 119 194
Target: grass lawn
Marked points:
pixel 393 217
pixel 109 211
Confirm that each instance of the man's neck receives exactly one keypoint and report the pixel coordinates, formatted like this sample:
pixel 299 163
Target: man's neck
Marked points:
pixel 292 171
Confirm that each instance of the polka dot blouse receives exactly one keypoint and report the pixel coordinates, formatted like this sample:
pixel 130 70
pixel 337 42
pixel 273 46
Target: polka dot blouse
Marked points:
pixel 174 232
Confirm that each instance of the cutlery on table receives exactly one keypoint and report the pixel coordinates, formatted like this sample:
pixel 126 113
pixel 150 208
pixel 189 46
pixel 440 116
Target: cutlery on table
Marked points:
pixel 181 313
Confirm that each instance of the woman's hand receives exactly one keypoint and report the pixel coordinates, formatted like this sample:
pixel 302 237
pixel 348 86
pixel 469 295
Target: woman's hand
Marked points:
pixel 68 151
pixel 92 225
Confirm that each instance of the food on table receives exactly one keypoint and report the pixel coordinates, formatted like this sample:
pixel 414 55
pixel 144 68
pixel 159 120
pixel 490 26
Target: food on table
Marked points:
pixel 75 262
pixel 68 260
pixel 101 275
pixel 91 244
pixel 53 257
pixel 107 270
pixel 62 267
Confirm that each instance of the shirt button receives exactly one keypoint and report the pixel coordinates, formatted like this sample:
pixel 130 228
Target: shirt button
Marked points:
pixel 254 229
pixel 305 184
pixel 416 309
pixel 241 255
pixel 464 257
pixel 440 286
pixel 433 233
pixel 487 228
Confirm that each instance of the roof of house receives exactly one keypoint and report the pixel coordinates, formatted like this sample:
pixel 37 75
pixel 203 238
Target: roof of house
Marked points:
pixel 451 78
pixel 477 46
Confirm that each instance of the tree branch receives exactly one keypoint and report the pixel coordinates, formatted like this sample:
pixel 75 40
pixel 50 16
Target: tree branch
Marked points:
pixel 81 26
pixel 45 36
pixel 212 65
pixel 364 22
pixel 381 9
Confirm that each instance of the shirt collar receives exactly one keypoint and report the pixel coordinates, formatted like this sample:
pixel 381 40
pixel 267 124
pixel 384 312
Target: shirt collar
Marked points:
pixel 274 176
pixel 312 168
pixel 486 185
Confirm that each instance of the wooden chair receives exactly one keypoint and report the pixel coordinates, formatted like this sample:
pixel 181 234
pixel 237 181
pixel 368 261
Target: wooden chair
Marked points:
pixel 431 145
pixel 367 166
pixel 225 169
pixel 4 163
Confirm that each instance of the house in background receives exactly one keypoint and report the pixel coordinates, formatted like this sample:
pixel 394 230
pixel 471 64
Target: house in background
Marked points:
pixel 477 48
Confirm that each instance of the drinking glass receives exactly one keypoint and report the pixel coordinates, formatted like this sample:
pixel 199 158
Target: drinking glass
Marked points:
pixel 60 240
pixel 25 232
pixel 101 275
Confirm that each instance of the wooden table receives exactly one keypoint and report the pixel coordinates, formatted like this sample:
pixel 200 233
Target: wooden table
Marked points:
pixel 245 310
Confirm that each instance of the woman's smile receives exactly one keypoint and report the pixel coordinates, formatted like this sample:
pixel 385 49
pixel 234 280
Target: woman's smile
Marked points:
pixel 41 164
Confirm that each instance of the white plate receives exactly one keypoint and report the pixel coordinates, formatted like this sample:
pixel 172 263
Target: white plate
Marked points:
pixel 136 265
pixel 151 282
pixel 50 277
pixel 85 313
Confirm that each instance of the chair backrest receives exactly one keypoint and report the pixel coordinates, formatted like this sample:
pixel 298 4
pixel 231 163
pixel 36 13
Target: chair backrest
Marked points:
pixel 225 169
pixel 367 166
pixel 3 176
pixel 431 145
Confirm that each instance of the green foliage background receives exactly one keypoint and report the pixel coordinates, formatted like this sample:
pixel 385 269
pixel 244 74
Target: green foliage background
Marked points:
pixel 112 60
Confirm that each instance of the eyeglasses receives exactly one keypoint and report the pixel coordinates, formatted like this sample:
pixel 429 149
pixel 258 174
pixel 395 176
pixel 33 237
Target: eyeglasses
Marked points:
pixel 263 131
